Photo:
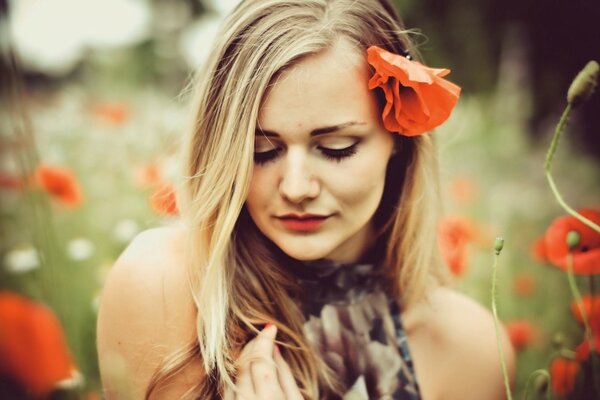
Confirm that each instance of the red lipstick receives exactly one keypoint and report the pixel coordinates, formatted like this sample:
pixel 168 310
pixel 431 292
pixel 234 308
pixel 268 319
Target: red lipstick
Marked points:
pixel 302 223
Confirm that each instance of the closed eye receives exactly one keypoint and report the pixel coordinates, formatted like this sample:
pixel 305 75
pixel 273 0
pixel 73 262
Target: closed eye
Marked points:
pixel 333 154
pixel 338 154
pixel 264 157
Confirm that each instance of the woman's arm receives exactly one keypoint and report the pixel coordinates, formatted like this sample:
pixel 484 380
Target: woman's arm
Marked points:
pixel 146 314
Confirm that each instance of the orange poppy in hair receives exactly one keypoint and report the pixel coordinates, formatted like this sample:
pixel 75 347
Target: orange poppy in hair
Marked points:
pixel 418 99
pixel 33 350
pixel 591 306
pixel 163 200
pixel 564 375
pixel 454 234
pixel 586 255
pixel 60 183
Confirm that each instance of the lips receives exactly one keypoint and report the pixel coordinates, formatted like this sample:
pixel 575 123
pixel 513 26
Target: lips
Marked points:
pixel 302 223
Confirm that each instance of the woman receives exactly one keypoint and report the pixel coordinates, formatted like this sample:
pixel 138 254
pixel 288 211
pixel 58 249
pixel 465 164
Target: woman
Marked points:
pixel 305 264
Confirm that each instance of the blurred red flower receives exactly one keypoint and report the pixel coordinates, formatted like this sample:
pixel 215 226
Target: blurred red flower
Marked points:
pixel 111 113
pixel 591 306
pixel 564 374
pixel 521 333
pixel 462 190
pixel 454 234
pixel 163 200
pixel 60 183
pixel 33 350
pixel 586 256
pixel 9 181
pixel 524 284
pixel 147 175
pixel 538 250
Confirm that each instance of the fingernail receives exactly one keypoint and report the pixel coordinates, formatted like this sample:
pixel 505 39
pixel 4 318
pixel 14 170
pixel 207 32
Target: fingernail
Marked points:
pixel 270 329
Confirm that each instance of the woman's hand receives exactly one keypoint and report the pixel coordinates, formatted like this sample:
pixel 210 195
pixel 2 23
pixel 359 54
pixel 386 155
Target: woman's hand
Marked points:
pixel 263 373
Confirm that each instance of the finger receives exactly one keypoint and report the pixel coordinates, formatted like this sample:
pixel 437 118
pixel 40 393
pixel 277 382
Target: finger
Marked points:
pixel 243 381
pixel 286 378
pixel 263 368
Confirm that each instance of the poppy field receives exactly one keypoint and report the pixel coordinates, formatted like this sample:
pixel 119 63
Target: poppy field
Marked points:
pixel 89 159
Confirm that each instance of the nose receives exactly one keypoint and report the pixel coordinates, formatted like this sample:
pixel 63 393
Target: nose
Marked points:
pixel 298 182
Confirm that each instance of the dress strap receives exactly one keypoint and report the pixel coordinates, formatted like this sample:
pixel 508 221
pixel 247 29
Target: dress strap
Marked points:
pixel 411 388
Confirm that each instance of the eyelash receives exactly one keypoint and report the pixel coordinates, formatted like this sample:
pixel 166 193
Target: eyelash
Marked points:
pixel 336 155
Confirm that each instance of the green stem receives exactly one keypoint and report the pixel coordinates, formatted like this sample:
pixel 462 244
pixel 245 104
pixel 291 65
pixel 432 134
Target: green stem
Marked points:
pixel 566 207
pixel 595 371
pixel 557 132
pixel 534 374
pixel 548 163
pixel 497 327
pixel 577 297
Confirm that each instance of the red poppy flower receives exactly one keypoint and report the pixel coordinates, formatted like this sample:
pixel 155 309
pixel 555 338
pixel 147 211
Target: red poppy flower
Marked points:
pixel 163 200
pixel 462 190
pixel 111 113
pixel 60 183
pixel 454 234
pixel 524 284
pixel 586 256
pixel 417 98
pixel 564 374
pixel 148 175
pixel 521 333
pixel 33 351
pixel 591 306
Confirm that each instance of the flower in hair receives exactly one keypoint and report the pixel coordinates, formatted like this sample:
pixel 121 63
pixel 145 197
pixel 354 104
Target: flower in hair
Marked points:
pixel 418 99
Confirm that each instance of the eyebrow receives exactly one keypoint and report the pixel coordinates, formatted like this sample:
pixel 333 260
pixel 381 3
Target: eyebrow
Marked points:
pixel 315 132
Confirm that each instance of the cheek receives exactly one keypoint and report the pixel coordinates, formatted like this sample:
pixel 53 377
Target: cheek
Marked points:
pixel 260 193
pixel 362 182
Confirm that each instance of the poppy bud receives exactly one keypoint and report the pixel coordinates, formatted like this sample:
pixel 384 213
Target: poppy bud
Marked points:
pixel 498 245
pixel 540 384
pixel 584 84
pixel 573 239
pixel 558 340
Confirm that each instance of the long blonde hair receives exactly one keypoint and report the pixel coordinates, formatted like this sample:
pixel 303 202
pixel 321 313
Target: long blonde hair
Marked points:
pixel 235 277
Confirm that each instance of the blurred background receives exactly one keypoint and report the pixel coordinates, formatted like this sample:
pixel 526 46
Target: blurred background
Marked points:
pixel 93 106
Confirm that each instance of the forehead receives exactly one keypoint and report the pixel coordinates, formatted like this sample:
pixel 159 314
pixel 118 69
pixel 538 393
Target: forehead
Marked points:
pixel 323 89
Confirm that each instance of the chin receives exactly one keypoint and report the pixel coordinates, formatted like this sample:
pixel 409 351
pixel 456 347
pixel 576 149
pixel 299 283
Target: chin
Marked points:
pixel 304 254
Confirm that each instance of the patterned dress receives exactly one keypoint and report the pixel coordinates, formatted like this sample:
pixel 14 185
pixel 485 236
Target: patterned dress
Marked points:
pixel 356 328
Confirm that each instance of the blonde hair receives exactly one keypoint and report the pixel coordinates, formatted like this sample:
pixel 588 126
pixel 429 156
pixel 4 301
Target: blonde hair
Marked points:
pixel 235 276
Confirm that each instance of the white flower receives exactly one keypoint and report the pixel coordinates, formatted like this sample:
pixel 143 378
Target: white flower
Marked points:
pixel 197 40
pixel 22 259
pixel 52 36
pixel 80 249
pixel 222 6
pixel 125 230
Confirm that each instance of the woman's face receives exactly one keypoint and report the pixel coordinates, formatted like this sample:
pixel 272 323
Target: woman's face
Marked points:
pixel 320 158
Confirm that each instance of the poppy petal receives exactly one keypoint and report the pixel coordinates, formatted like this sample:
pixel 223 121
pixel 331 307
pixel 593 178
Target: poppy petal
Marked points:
pixel 421 99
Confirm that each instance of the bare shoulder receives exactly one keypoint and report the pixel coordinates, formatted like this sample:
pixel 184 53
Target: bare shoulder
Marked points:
pixel 146 311
pixel 453 340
